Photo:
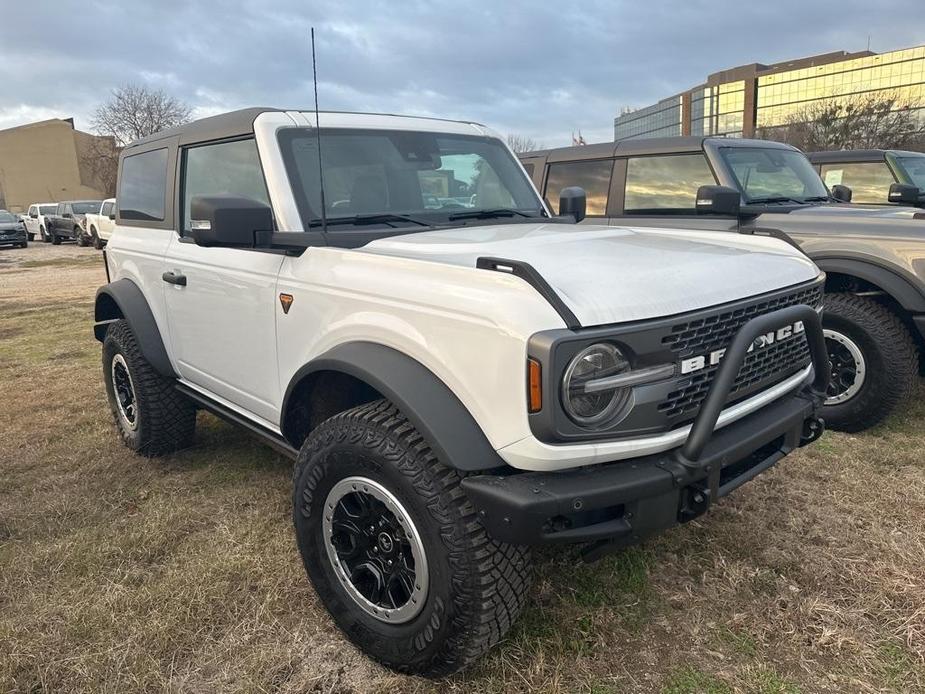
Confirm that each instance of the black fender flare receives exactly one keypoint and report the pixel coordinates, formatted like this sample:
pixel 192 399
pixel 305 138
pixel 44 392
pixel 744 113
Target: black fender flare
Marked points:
pixel 897 286
pixel 428 403
pixel 123 299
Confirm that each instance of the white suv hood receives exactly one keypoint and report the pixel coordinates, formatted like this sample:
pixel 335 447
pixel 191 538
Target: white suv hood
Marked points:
pixel 618 274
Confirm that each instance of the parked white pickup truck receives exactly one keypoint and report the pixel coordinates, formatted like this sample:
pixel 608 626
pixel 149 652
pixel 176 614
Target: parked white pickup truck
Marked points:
pixel 35 219
pixel 99 225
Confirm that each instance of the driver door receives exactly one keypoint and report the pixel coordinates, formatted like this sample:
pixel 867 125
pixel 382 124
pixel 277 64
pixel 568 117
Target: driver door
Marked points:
pixel 222 302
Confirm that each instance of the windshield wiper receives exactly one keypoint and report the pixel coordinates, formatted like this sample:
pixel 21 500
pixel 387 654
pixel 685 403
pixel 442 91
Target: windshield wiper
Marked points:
pixel 817 198
pixel 489 214
pixel 779 198
pixel 362 219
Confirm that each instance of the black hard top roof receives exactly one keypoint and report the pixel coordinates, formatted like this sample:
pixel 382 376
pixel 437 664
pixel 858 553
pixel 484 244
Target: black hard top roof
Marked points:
pixel 849 155
pixel 225 125
pixel 238 123
pixel 647 146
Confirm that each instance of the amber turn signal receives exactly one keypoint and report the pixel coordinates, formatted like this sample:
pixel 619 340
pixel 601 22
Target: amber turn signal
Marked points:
pixel 535 392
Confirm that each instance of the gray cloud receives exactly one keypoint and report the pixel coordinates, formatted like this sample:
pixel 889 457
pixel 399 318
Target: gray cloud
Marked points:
pixel 538 69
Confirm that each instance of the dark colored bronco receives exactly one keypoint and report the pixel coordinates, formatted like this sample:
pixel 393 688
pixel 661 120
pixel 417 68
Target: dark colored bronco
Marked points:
pixel 874 257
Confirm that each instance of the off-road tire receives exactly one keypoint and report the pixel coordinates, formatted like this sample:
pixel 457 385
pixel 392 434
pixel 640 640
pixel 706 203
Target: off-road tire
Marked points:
pixel 45 237
pixel 80 238
pixel 891 367
pixel 476 586
pixel 55 239
pixel 165 419
pixel 97 241
pixel 31 237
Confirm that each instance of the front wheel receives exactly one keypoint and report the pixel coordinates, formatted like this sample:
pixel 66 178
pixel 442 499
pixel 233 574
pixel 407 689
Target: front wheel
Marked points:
pixel 31 237
pixel 873 358
pixel 55 239
pixel 45 237
pixel 80 238
pixel 97 241
pixel 152 417
pixel 394 548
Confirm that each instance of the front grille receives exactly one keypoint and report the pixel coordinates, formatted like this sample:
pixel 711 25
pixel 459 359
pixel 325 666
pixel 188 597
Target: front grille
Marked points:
pixel 761 369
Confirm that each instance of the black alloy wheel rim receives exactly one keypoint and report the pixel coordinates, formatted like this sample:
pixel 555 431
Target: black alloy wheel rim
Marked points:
pixel 375 549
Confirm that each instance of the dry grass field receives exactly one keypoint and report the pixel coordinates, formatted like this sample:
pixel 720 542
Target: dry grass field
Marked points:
pixel 122 574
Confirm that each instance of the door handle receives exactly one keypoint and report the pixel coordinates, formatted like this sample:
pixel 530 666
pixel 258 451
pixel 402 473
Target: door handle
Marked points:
pixel 174 278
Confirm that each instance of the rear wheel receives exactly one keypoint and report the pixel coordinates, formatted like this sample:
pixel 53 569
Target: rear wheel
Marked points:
pixel 152 417
pixel 873 359
pixel 45 237
pixel 97 241
pixel 394 548
pixel 55 239
pixel 80 238
pixel 31 237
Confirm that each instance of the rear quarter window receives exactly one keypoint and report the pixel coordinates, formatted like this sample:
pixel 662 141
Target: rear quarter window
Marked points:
pixel 143 186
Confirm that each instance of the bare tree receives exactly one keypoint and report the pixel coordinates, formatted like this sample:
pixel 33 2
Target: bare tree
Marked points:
pixel 134 111
pixel 885 122
pixel 98 160
pixel 522 143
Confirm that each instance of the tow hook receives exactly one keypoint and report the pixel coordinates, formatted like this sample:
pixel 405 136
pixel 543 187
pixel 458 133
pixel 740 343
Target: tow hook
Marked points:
pixel 813 428
pixel 695 500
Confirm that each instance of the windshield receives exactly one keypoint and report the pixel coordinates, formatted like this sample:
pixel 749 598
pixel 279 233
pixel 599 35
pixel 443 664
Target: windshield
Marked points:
pixel 86 207
pixel 774 175
pixel 377 176
pixel 914 168
pixel 47 209
pixel 6 217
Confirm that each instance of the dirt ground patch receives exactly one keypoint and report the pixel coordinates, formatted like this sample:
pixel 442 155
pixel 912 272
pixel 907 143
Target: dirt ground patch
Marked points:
pixel 122 574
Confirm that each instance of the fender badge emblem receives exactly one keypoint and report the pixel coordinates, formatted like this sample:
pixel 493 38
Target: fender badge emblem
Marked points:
pixel 286 301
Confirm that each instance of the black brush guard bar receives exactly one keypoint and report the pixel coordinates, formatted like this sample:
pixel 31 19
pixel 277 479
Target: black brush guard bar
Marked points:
pixel 735 355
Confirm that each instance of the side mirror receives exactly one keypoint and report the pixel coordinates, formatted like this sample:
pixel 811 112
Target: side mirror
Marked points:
pixel 34 215
pixel 66 215
pixel 719 200
pixel 573 201
pixel 112 215
pixel 842 193
pixel 228 220
pixel 904 194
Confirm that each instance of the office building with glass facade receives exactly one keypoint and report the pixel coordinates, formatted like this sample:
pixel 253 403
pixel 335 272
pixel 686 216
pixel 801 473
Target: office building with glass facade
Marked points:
pixel 738 101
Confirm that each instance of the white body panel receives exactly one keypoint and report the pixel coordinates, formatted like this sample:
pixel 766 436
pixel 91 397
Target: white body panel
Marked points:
pixel 422 295
pixel 222 323
pixel 617 274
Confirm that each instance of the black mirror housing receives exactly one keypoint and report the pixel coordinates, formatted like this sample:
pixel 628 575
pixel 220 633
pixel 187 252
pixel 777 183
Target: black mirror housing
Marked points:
pixel 842 193
pixel 573 201
pixel 718 200
pixel 904 194
pixel 228 220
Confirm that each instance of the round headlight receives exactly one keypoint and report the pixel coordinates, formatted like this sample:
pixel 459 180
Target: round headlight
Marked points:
pixel 590 408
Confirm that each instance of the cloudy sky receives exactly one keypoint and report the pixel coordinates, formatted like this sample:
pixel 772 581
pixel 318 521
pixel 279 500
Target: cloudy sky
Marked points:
pixel 537 69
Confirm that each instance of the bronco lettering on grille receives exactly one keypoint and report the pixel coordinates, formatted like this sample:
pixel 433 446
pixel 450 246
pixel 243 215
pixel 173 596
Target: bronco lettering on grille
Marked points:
pixel 698 363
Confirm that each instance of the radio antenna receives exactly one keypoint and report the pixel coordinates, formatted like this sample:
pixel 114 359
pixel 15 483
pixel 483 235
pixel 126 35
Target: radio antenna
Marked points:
pixel 324 217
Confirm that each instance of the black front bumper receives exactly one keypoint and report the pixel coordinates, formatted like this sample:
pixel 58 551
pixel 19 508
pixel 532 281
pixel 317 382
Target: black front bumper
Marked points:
pixel 619 503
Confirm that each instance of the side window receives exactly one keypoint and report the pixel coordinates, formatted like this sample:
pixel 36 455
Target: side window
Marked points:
pixel 665 184
pixel 32 210
pixel 143 186
pixel 231 168
pixel 869 182
pixel 106 209
pixel 59 210
pixel 593 176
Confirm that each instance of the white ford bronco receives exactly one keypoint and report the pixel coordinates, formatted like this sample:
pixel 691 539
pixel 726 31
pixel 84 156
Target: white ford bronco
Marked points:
pixel 458 375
